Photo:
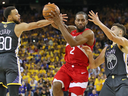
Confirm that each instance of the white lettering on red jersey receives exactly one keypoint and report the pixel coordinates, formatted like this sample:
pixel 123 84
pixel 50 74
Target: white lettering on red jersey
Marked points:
pixel 76 55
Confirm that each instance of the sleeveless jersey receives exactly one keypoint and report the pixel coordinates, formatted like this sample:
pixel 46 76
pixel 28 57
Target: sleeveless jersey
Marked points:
pixel 9 42
pixel 115 61
pixel 77 55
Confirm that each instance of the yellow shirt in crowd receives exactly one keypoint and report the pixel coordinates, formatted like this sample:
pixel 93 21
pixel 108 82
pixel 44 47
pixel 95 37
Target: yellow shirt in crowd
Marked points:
pixel 98 84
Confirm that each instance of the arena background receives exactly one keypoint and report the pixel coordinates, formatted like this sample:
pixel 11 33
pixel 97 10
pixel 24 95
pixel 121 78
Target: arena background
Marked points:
pixel 42 50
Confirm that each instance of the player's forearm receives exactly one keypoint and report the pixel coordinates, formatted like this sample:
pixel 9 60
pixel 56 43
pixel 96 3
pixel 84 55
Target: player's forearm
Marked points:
pixel 68 37
pixel 43 23
pixel 67 27
pixel 39 24
pixel 91 61
pixel 107 31
pixel 55 26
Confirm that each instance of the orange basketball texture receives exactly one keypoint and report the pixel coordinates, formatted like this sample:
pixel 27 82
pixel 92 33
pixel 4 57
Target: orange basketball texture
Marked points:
pixel 48 8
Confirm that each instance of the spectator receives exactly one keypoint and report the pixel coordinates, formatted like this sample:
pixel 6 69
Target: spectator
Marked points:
pixel 98 84
pixel 29 93
pixel 43 93
pixel 48 92
pixel 33 85
pixel 23 89
pixel 96 71
pixel 104 78
pixel 93 93
pixel 36 93
pixel 40 84
pixel 90 86
pixel 27 85
pixel 45 65
pixel 37 57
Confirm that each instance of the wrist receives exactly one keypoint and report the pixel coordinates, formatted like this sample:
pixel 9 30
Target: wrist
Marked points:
pixel 90 55
pixel 100 23
pixel 60 23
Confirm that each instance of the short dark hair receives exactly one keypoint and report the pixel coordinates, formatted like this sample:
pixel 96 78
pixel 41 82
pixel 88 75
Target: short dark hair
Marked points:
pixel 122 27
pixel 81 12
pixel 7 11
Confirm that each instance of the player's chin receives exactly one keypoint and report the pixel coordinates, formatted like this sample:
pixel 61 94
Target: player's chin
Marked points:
pixel 18 21
pixel 81 29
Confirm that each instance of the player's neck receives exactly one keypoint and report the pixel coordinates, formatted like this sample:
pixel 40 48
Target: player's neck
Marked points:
pixel 9 20
pixel 113 43
pixel 78 31
pixel 82 30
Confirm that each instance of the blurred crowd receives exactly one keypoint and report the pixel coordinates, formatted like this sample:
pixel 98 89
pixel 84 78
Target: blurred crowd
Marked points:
pixel 42 52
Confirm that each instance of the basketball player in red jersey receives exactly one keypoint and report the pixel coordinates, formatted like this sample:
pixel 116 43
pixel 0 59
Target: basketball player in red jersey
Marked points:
pixel 73 76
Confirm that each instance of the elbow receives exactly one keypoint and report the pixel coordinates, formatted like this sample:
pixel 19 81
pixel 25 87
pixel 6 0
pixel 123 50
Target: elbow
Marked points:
pixel 92 67
pixel 72 45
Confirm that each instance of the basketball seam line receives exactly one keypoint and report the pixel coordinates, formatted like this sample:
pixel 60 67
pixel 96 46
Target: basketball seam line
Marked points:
pixel 51 7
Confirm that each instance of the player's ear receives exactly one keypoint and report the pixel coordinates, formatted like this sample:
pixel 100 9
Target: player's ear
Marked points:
pixel 86 21
pixel 9 17
pixel 121 32
pixel 75 21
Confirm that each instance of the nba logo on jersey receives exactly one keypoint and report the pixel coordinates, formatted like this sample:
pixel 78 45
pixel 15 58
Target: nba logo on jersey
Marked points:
pixel 5 25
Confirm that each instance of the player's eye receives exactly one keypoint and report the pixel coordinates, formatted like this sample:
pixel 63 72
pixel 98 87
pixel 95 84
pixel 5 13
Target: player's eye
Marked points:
pixel 78 20
pixel 82 20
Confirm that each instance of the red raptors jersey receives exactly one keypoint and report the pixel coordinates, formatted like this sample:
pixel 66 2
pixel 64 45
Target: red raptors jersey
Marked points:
pixel 77 55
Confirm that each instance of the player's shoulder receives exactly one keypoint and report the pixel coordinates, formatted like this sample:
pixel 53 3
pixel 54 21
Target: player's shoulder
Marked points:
pixel 21 25
pixel 88 32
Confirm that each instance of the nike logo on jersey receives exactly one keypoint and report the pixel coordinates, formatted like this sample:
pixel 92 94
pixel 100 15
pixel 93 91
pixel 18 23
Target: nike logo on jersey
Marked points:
pixel 83 72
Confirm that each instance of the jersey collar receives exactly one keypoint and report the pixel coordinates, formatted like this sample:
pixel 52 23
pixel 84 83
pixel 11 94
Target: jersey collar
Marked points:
pixel 7 22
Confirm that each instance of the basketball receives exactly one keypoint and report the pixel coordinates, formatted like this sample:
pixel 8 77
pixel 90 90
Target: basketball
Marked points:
pixel 48 8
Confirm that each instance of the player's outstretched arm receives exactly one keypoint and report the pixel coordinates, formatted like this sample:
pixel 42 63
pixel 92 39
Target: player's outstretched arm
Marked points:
pixel 112 36
pixel 94 63
pixel 70 28
pixel 19 28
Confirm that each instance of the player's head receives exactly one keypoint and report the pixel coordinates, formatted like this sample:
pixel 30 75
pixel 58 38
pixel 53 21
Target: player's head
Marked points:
pixel 118 29
pixel 11 14
pixel 81 20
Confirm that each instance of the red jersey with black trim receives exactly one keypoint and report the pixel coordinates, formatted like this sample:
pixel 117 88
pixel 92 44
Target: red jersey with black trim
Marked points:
pixel 77 55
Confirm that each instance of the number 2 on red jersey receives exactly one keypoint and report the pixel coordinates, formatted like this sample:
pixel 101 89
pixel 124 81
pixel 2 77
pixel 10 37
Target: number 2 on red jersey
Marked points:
pixel 71 52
